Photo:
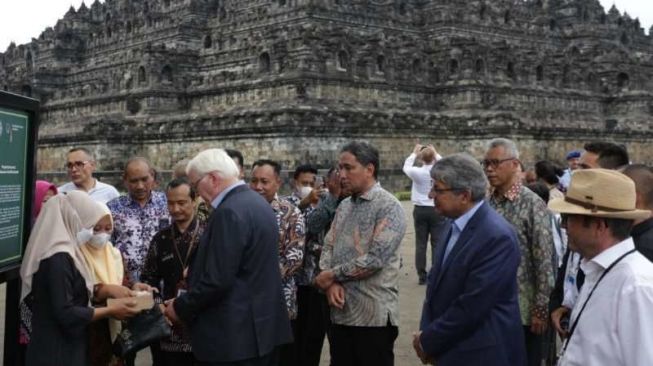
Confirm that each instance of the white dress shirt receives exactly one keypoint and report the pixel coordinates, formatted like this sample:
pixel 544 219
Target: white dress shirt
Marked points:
pixel 421 177
pixel 101 192
pixel 616 327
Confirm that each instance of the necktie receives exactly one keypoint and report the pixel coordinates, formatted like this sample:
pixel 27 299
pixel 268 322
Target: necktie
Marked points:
pixel 453 238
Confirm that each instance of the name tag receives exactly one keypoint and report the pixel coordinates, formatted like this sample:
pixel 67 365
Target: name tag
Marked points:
pixel 167 257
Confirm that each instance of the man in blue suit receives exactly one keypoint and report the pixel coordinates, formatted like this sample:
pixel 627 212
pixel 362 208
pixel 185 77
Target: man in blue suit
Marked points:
pixel 234 307
pixel 471 314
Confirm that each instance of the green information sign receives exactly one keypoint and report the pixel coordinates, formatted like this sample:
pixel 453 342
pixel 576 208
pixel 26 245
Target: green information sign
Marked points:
pixel 14 143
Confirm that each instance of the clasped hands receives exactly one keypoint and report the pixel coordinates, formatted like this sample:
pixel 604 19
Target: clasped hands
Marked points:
pixel 417 346
pixel 335 292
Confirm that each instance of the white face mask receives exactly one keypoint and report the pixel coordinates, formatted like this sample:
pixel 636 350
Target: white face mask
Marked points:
pixel 99 240
pixel 84 236
pixel 304 192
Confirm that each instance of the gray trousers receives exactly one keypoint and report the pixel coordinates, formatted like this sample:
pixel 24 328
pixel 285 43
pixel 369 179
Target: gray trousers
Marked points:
pixel 428 223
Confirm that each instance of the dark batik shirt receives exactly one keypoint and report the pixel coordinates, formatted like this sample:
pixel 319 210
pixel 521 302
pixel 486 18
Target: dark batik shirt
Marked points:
pixel 134 226
pixel 170 252
pixel 291 249
pixel 530 218
pixel 312 247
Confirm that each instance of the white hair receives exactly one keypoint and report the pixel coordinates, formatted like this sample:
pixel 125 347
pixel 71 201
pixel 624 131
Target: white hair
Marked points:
pixel 213 160
pixel 508 145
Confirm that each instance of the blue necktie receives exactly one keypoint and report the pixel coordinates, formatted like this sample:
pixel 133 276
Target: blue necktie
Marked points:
pixel 455 234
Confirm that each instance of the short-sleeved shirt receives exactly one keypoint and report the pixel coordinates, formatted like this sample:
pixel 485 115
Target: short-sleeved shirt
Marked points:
pixel 101 192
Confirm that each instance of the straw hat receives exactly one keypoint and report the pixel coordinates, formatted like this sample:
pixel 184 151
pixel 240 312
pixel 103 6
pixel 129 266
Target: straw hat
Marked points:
pixel 600 193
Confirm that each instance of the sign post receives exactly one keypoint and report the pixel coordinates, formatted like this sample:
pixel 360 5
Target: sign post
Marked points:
pixel 18 133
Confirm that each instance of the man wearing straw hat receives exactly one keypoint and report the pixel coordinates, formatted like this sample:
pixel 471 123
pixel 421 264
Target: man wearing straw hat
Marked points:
pixel 611 321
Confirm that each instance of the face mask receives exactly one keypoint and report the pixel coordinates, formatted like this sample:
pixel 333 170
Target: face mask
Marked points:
pixel 99 240
pixel 305 191
pixel 84 236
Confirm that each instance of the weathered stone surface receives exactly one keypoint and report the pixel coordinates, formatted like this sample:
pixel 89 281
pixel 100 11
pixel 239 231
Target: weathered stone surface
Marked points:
pixel 293 80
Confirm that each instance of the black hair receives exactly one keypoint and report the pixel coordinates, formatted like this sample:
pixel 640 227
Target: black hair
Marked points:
pixel 304 168
pixel 235 154
pixel 548 172
pixel 331 170
pixel 177 182
pixel 620 228
pixel 541 190
pixel 613 157
pixel 364 153
pixel 143 160
pixel 642 175
pixel 276 166
pixel 596 147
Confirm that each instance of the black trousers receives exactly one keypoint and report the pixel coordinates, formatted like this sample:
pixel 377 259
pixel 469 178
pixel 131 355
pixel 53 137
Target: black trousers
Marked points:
pixel 428 223
pixel 289 353
pixel 271 359
pixel 534 345
pixel 362 346
pixel 176 358
pixel 311 325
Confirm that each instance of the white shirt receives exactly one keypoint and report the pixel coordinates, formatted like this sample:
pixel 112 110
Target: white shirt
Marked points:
pixel 565 179
pixel 616 327
pixel 101 192
pixel 421 177
pixel 559 238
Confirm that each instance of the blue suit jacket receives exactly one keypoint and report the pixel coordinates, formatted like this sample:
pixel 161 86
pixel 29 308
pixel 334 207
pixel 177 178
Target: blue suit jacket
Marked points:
pixel 234 307
pixel 471 314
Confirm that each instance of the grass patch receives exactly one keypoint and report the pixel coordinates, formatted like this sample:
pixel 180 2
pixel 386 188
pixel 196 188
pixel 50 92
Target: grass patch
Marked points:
pixel 403 195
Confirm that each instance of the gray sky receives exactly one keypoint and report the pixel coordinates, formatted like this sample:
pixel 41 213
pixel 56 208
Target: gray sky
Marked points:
pixel 23 19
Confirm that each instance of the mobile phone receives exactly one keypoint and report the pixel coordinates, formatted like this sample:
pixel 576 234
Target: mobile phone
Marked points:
pixel 319 181
pixel 564 323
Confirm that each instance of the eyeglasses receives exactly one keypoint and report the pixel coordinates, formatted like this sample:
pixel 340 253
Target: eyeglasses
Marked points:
pixel 197 182
pixel 486 163
pixel 76 164
pixel 442 190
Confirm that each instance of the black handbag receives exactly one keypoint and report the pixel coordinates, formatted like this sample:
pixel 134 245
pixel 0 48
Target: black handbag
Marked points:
pixel 145 328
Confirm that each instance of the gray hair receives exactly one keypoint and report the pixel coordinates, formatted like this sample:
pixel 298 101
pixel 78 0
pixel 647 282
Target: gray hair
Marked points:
pixel 461 172
pixel 214 160
pixel 508 145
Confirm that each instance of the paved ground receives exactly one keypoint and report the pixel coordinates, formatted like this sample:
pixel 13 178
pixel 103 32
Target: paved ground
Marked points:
pixel 411 298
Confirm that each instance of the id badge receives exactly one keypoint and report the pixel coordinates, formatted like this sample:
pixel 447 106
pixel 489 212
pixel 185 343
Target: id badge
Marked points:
pixel 180 292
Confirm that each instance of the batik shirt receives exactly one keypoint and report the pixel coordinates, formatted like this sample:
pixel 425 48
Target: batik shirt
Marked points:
pixel 291 249
pixel 312 246
pixel 531 220
pixel 133 229
pixel 362 250
pixel 167 259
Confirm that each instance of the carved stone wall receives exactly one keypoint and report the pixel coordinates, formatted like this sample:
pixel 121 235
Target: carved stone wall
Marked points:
pixel 293 80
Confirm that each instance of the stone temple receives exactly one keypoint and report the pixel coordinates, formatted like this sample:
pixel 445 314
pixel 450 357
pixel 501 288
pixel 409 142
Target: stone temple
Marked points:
pixel 293 80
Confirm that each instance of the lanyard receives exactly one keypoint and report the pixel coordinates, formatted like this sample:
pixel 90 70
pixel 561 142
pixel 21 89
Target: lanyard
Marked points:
pixel 175 244
pixel 573 327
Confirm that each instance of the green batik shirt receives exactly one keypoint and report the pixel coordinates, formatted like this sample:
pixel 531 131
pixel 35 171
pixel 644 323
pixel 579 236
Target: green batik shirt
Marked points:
pixel 530 217
pixel 362 249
